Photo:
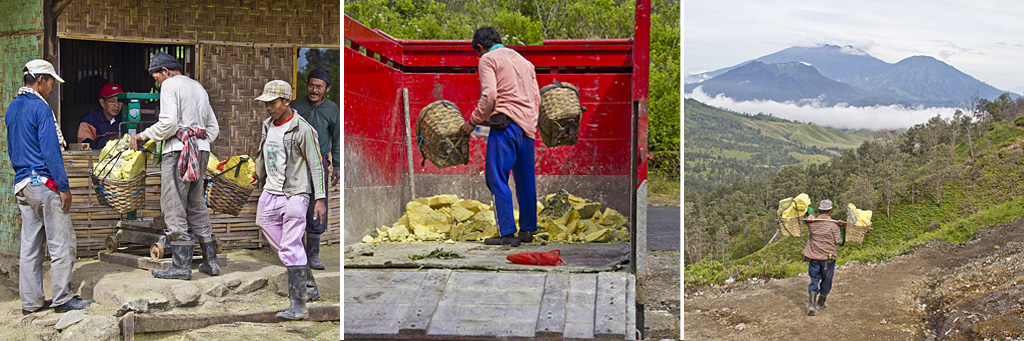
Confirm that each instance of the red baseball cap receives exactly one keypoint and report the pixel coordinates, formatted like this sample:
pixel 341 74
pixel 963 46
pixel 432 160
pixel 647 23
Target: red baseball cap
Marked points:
pixel 109 90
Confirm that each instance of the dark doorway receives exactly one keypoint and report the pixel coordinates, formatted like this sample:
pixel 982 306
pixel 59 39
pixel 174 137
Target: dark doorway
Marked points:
pixel 87 65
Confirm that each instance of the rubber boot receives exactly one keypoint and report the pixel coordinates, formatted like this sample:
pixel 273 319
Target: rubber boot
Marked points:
pixel 296 293
pixel 821 302
pixel 525 236
pixel 503 240
pixel 209 265
pixel 181 262
pixel 312 292
pixel 811 307
pixel 313 251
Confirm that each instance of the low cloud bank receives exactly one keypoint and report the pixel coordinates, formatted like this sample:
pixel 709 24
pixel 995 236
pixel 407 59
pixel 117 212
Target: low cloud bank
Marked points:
pixel 838 116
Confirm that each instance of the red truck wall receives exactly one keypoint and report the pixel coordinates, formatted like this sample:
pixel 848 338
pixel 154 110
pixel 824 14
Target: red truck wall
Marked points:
pixel 377 178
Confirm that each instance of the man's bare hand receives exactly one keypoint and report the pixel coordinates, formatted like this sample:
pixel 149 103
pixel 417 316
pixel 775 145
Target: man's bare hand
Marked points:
pixel 134 141
pixel 65 201
pixel 320 211
pixel 466 128
pixel 335 177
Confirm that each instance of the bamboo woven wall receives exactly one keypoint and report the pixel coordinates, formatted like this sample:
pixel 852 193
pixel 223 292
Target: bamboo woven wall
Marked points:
pixel 249 21
pixel 234 76
pixel 94 222
pixel 21 40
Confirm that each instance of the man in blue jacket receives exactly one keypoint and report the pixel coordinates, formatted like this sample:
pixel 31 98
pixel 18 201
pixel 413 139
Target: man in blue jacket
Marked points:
pixel 34 144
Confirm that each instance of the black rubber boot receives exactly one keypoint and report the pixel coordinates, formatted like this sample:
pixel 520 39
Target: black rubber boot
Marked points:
pixel 312 292
pixel 821 302
pixel 313 251
pixel 209 265
pixel 811 307
pixel 181 262
pixel 296 293
pixel 504 240
pixel 525 236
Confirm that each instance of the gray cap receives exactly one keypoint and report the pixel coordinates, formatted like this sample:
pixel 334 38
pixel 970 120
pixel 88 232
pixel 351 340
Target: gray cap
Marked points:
pixel 163 60
pixel 825 205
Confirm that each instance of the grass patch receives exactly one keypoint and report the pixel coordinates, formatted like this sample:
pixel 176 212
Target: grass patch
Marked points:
pixel 662 189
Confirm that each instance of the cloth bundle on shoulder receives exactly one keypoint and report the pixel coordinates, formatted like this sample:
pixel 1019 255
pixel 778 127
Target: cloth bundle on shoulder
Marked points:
pixel 438 136
pixel 560 114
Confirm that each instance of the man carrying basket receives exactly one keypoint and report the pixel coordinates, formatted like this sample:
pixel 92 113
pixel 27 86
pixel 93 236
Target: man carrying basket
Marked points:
pixel 187 126
pixel 510 102
pixel 821 253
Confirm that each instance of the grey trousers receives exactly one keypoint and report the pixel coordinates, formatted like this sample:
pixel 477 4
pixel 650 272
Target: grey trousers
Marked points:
pixel 182 203
pixel 44 224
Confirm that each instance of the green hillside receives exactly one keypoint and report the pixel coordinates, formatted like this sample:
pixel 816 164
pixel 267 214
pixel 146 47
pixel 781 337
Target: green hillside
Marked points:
pixel 722 147
pixel 943 179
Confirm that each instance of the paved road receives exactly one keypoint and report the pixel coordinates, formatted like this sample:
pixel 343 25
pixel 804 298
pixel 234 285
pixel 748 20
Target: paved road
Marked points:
pixel 663 226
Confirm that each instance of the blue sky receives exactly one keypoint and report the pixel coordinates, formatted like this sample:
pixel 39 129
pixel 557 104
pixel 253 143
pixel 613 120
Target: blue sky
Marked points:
pixel 984 39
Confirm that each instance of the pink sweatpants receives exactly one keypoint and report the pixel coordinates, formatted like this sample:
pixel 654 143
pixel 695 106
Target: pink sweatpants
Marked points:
pixel 283 220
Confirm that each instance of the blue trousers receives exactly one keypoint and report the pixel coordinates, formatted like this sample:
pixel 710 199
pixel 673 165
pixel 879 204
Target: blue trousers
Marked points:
pixel 821 272
pixel 508 150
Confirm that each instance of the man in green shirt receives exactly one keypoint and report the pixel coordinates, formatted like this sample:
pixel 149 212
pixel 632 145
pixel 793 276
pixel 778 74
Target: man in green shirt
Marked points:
pixel 325 117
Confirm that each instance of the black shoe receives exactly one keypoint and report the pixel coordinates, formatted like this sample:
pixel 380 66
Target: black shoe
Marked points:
pixel 209 265
pixel 821 302
pixel 46 305
pixel 313 251
pixel 525 236
pixel 181 262
pixel 504 240
pixel 296 293
pixel 75 303
pixel 312 292
pixel 811 307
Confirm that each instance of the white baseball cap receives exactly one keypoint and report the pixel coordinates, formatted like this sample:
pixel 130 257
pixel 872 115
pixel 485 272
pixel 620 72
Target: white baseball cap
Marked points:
pixel 41 67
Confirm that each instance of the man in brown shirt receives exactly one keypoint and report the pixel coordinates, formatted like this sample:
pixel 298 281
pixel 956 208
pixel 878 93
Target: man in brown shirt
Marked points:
pixel 821 252
pixel 510 102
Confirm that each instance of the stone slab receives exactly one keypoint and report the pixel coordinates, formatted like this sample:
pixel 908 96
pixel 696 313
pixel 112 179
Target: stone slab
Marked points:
pixel 148 263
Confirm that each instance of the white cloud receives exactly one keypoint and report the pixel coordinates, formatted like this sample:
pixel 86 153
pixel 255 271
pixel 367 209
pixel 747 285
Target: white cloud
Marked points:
pixel 839 116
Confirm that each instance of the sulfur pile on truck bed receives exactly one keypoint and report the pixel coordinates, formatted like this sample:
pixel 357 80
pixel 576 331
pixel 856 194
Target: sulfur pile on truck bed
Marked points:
pixel 563 218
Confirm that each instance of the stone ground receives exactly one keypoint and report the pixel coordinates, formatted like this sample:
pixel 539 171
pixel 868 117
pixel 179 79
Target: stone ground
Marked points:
pixel 253 280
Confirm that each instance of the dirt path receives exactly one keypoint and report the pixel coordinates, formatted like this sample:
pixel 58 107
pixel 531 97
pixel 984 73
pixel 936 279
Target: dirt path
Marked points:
pixel 868 301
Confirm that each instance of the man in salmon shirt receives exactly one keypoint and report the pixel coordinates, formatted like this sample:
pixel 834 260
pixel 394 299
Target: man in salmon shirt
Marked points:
pixel 510 103
pixel 820 252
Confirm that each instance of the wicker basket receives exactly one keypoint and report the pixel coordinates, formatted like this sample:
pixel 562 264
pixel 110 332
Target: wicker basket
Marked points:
pixel 225 195
pixel 560 114
pixel 438 137
pixel 122 195
pixel 790 227
pixel 855 233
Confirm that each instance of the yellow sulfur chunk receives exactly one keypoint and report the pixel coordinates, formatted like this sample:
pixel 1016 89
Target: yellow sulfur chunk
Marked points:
pixel 611 218
pixel 438 200
pixel 367 239
pixel 460 213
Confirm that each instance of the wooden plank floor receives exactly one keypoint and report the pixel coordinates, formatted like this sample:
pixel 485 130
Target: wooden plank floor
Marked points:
pixel 445 304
